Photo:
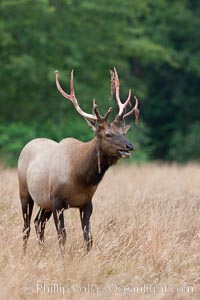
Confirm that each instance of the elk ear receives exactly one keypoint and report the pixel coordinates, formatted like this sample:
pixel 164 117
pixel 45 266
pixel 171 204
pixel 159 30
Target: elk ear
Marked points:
pixel 92 124
pixel 126 129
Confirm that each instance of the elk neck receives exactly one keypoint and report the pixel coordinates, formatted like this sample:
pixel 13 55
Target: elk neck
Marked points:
pixel 89 172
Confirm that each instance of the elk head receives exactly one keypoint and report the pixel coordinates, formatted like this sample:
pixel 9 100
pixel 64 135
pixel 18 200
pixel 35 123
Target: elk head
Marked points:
pixel 111 137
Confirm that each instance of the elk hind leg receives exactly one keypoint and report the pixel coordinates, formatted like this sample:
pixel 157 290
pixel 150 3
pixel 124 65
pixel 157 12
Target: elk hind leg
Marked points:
pixel 40 222
pixel 58 214
pixel 27 209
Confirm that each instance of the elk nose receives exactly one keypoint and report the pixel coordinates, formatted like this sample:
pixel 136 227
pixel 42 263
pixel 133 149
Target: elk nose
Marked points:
pixel 129 146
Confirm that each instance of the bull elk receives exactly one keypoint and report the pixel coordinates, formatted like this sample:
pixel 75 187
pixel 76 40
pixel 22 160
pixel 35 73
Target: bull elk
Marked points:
pixel 57 176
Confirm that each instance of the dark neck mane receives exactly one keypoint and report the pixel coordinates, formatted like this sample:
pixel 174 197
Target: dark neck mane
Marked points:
pixel 89 173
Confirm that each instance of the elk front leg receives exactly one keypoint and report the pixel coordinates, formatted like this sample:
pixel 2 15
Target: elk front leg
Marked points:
pixel 58 214
pixel 85 214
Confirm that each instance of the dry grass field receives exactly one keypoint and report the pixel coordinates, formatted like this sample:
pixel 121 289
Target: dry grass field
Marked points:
pixel 146 230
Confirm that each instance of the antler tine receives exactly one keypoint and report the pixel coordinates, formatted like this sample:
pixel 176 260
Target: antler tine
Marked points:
pixel 107 114
pixel 116 86
pixel 72 84
pixel 134 110
pixel 96 112
pixel 72 97
pixel 67 96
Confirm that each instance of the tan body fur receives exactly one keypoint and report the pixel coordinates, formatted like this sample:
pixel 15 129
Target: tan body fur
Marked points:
pixel 47 170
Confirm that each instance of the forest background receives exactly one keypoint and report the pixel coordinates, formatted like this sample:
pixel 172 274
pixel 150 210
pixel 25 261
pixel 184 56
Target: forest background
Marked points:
pixel 155 46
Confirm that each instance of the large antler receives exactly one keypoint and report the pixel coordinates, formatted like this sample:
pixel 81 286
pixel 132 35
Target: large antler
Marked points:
pixel 72 97
pixel 91 117
pixel 122 106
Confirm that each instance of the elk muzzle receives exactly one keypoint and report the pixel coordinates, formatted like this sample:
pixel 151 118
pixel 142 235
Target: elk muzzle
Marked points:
pixel 124 153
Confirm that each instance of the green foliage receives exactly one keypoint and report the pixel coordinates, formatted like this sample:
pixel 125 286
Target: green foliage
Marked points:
pixel 139 136
pixel 154 45
pixel 186 147
pixel 12 139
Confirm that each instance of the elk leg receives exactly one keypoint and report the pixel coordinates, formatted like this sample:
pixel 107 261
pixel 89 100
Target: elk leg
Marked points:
pixel 58 214
pixel 40 223
pixel 27 209
pixel 44 220
pixel 36 221
pixel 85 214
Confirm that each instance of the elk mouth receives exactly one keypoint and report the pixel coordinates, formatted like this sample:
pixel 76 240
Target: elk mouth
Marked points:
pixel 124 153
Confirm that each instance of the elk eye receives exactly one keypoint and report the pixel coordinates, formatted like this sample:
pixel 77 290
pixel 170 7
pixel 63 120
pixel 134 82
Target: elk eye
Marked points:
pixel 108 135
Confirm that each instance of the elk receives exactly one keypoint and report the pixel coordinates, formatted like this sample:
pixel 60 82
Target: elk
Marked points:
pixel 57 176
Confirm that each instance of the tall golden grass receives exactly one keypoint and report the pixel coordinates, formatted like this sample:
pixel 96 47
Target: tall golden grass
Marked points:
pixel 146 230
